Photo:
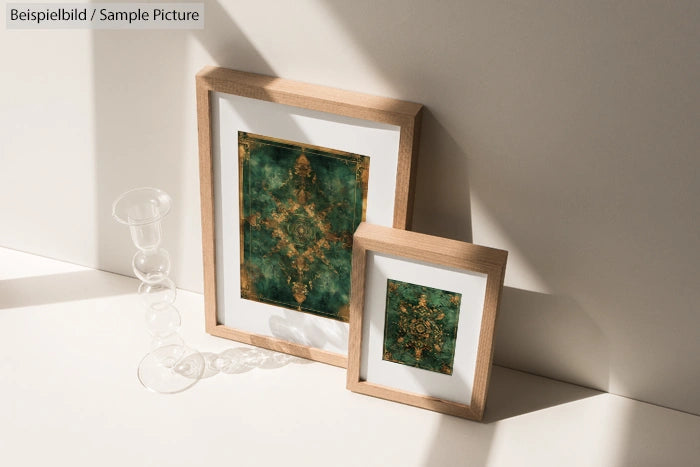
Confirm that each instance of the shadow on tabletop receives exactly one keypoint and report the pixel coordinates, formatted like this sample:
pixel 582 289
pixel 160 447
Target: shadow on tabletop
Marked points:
pixel 243 359
pixel 513 393
pixel 63 287
pixel 551 334
pixel 655 435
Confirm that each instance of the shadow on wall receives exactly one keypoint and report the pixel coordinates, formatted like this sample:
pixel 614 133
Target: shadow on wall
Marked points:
pixel 224 40
pixel 140 120
pixel 597 194
pixel 574 342
pixel 442 165
pixel 139 125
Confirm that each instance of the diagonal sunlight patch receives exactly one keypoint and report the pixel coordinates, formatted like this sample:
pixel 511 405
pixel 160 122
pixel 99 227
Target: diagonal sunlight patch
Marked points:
pixel 17 264
pixel 28 280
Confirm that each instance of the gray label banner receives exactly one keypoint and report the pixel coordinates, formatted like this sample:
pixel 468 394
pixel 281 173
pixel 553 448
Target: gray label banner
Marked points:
pixel 104 16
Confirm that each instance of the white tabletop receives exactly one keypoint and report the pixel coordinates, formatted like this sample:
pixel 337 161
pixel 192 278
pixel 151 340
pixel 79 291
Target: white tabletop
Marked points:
pixel 71 339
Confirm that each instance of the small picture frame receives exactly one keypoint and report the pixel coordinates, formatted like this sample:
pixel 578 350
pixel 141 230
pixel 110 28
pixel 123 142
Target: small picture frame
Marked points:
pixel 287 172
pixel 422 319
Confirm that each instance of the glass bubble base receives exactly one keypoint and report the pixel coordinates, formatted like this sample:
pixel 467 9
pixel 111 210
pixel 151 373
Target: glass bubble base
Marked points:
pixel 171 369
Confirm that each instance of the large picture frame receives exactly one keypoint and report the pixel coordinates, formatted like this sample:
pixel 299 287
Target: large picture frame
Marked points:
pixel 422 319
pixel 313 121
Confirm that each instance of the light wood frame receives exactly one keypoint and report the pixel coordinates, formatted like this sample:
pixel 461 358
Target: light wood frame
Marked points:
pixel 438 252
pixel 405 115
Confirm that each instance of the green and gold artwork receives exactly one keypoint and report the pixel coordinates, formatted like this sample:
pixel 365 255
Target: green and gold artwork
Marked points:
pixel 421 326
pixel 299 206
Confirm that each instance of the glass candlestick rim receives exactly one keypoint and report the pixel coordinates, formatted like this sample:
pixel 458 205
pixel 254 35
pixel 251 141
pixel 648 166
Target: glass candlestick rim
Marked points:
pixel 162 204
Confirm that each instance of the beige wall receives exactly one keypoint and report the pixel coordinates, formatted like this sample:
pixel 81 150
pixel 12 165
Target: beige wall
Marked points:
pixel 565 132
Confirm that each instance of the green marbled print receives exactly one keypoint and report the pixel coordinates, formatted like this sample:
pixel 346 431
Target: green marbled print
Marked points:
pixel 300 206
pixel 421 326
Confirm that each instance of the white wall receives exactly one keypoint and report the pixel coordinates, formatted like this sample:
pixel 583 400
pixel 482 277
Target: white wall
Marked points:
pixel 565 132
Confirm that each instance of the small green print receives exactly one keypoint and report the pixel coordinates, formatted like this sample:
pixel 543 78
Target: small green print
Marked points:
pixel 421 326
pixel 300 206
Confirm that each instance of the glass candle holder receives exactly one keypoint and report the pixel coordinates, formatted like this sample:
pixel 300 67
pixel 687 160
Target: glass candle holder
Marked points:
pixel 171 366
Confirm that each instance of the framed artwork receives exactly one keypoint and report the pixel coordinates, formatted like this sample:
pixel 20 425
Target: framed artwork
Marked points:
pixel 288 171
pixel 422 319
